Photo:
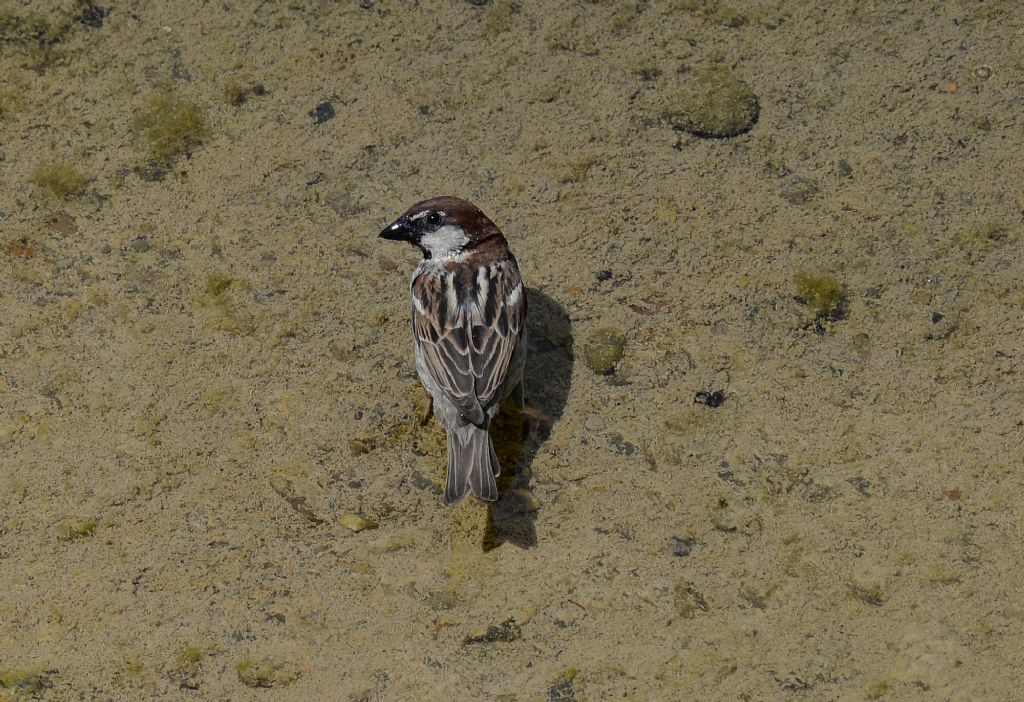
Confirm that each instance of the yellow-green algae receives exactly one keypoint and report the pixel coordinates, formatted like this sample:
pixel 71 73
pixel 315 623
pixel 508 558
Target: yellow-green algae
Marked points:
pixel 188 660
pixel 823 294
pixel 980 239
pixel 187 666
pixel 266 671
pixel 60 180
pixel 169 127
pixel 713 11
pixel 76 530
pixel 223 311
pixel 27 682
pixel 578 171
pixel 37 36
pixel 715 103
pixel 604 349
pixel 10 102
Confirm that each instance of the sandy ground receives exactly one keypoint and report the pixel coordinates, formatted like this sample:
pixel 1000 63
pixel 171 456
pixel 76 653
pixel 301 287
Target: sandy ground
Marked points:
pixel 205 371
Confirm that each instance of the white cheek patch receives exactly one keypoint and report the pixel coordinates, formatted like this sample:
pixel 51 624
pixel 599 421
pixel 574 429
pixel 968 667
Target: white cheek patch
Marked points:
pixel 445 242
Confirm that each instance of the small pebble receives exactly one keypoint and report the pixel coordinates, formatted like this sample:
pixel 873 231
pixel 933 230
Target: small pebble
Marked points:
pixel 140 244
pixel 604 275
pixel 356 522
pixel 594 423
pixel 681 547
pixel 322 112
pixel 92 15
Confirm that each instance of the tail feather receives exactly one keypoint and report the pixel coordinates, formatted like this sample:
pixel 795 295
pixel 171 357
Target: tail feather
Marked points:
pixel 472 465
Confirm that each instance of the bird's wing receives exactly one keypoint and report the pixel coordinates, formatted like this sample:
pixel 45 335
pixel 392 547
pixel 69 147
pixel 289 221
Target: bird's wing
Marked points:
pixel 496 325
pixel 467 332
pixel 441 330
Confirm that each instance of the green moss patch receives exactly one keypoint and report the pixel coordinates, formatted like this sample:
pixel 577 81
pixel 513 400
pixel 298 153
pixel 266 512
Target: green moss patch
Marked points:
pixel 822 294
pixel 78 529
pixel 169 127
pixel 266 671
pixel 604 349
pixel 25 682
pixel 713 104
pixel 60 180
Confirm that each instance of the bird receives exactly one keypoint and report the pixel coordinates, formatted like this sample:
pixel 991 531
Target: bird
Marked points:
pixel 469 332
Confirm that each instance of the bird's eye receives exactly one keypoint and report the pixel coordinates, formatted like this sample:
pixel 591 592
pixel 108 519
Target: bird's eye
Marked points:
pixel 434 219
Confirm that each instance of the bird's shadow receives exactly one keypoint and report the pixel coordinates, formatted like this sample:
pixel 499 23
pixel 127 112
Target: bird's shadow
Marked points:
pixel 519 435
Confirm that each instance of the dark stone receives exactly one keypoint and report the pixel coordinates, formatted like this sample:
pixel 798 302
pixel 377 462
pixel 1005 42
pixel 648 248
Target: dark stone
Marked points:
pixel 322 112
pixel 140 244
pixel 604 275
pixel 937 317
pixel 505 632
pixel 92 16
pixel 621 446
pixel 711 399
pixel 681 547
pixel 562 690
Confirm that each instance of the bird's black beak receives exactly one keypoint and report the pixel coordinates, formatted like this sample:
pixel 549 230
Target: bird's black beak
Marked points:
pixel 400 230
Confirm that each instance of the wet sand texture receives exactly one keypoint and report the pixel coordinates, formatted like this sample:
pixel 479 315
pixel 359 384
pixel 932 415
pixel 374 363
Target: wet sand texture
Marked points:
pixel 211 477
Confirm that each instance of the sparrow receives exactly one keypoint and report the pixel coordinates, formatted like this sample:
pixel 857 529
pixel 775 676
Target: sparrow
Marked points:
pixel 469 333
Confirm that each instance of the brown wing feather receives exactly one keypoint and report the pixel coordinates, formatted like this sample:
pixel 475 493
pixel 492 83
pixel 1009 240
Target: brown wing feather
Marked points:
pixel 496 327
pixel 467 351
pixel 445 350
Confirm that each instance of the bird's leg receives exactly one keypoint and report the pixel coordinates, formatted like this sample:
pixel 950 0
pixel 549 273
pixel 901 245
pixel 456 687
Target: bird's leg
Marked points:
pixel 428 411
pixel 531 413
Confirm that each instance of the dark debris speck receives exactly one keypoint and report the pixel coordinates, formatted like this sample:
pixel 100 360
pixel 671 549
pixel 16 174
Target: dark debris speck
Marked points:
pixel 421 482
pixel 322 112
pixel 505 632
pixel 861 485
pixel 562 691
pixel 711 399
pixel 937 317
pixel 604 275
pixel 621 446
pixel 92 16
pixel 682 547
